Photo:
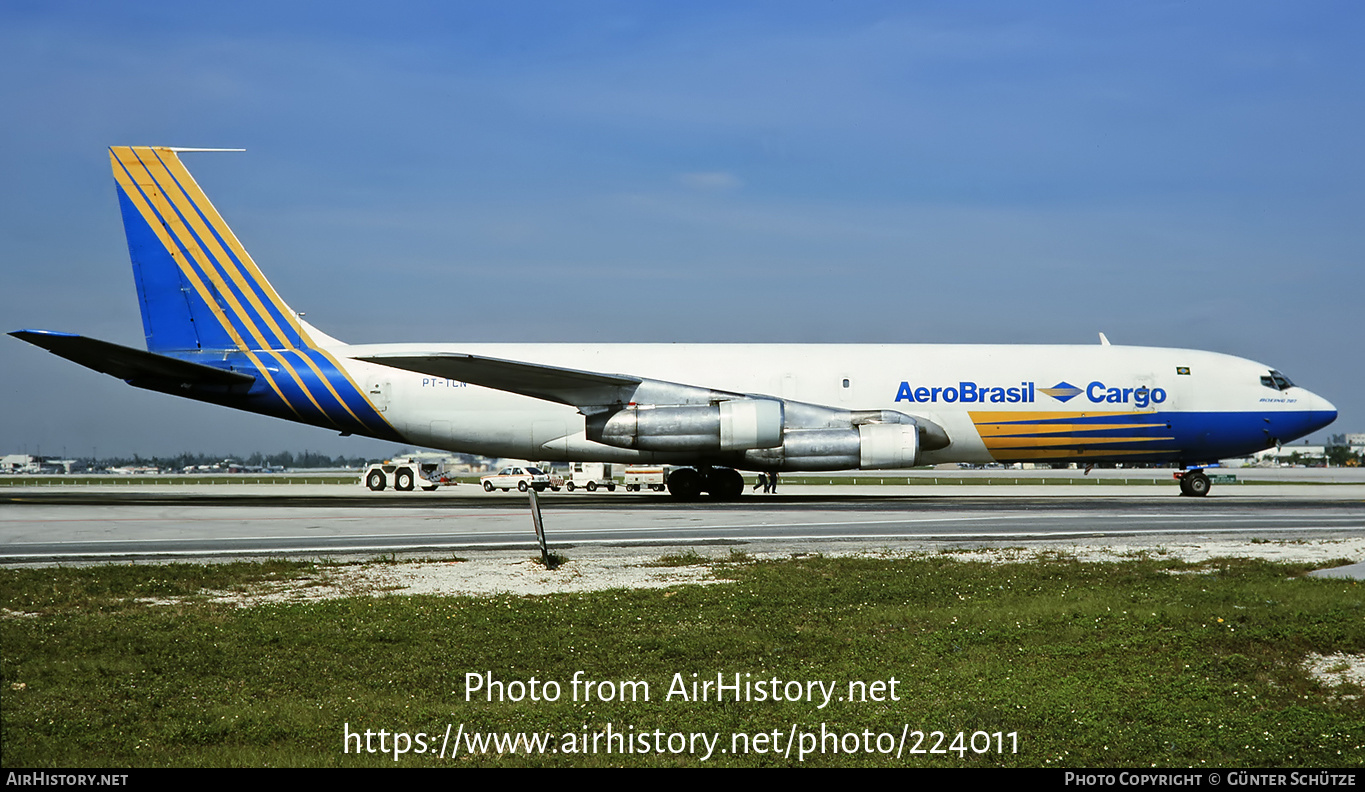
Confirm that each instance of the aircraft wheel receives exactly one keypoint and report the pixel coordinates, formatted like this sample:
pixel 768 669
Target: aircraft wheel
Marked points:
pixel 521 485
pixel 570 485
pixel 488 486
pixel 725 483
pixel 684 484
pixel 592 486
pixel 402 480
pixel 1195 484
pixel 375 481
pixel 611 488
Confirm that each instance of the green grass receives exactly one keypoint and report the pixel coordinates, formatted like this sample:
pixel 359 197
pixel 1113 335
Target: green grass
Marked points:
pixel 1092 665
pixel 688 557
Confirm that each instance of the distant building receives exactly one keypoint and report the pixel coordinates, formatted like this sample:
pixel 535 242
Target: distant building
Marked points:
pixel 1312 454
pixel 27 463
pixel 19 463
pixel 1290 454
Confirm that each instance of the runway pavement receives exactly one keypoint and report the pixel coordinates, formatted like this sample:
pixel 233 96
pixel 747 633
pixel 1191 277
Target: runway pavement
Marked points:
pixel 84 524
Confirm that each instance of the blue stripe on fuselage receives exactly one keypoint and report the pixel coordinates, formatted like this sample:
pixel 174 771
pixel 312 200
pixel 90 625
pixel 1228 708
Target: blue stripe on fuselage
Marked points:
pixel 1187 437
pixel 1209 436
pixel 361 418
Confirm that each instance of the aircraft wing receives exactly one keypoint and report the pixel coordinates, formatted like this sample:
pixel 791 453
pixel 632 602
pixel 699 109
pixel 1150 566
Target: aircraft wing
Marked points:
pixel 589 391
pixel 653 415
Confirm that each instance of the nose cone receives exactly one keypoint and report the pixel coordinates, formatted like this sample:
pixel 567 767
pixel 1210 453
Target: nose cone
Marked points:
pixel 1320 411
pixel 1305 414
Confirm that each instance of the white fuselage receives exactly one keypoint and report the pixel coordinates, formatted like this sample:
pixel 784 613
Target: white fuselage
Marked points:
pixel 928 381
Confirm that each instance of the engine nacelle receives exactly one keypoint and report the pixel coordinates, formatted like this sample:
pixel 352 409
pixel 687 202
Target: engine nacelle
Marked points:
pixel 868 446
pixel 731 425
pixel 810 449
pixel 888 446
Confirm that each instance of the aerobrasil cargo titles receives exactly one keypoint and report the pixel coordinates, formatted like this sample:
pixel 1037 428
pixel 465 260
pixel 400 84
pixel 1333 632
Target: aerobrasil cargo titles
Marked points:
pixel 217 331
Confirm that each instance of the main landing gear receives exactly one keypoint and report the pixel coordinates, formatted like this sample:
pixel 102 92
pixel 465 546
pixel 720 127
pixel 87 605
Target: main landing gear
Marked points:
pixel 1194 483
pixel 721 483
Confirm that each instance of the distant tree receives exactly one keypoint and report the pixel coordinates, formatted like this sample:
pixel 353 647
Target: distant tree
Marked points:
pixel 1339 455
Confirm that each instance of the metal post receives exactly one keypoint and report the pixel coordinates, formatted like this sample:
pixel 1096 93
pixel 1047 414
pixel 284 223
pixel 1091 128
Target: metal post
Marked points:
pixel 540 526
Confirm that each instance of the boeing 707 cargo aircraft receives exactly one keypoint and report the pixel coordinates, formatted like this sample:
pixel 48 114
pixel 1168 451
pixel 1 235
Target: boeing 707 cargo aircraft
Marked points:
pixel 217 331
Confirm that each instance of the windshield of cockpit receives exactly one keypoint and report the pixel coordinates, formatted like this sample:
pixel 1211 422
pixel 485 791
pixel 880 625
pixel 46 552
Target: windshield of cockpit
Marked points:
pixel 1276 380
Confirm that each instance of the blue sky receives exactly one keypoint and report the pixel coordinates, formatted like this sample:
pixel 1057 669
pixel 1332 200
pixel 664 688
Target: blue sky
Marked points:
pixel 1173 174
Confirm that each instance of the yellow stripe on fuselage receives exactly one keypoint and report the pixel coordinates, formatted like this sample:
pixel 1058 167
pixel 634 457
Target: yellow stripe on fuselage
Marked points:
pixel 1041 419
pixel 993 443
pixel 1064 453
pixel 1007 430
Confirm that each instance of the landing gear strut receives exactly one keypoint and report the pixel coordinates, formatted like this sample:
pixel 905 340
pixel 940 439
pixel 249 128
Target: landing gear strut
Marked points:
pixel 1194 483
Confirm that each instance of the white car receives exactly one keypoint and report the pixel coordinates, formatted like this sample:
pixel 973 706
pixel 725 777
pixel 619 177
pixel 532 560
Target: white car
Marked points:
pixel 523 478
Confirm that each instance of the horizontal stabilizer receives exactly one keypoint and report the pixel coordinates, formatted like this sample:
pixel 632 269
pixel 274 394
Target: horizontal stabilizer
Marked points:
pixel 143 369
pixel 582 389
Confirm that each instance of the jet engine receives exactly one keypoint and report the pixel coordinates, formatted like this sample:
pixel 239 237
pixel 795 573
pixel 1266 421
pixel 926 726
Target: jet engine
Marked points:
pixel 862 439
pixel 729 425
pixel 764 433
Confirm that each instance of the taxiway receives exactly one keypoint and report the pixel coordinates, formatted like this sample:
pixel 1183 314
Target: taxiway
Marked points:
pixel 46 525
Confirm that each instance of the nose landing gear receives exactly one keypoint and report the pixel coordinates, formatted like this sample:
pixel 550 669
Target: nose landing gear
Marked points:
pixel 1194 483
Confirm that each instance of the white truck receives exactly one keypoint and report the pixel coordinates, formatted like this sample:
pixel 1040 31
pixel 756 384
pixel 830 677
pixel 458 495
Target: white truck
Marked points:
pixel 405 475
pixel 640 476
pixel 591 475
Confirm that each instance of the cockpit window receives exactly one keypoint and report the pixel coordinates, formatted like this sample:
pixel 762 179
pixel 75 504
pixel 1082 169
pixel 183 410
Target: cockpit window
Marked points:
pixel 1277 381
